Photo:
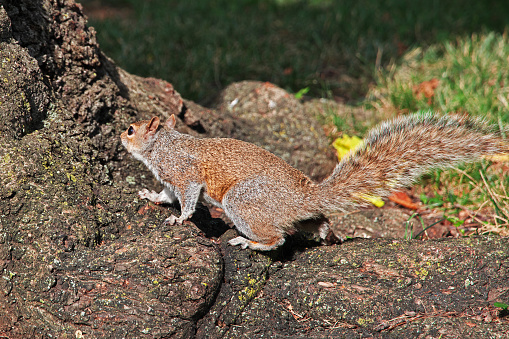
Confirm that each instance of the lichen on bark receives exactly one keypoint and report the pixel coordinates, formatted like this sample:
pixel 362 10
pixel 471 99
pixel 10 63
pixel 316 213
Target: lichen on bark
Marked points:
pixel 82 255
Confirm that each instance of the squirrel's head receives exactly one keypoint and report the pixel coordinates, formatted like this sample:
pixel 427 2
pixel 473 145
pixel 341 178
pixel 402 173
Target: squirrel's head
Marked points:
pixel 140 135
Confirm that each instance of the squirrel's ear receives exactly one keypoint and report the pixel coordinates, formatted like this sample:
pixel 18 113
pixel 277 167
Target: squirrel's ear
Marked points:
pixel 152 125
pixel 170 123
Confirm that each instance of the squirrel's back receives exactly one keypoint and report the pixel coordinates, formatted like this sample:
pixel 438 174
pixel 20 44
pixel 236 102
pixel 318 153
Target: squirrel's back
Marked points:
pixel 223 162
pixel 226 161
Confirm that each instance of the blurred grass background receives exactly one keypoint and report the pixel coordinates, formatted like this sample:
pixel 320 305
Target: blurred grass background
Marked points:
pixel 391 56
pixel 333 47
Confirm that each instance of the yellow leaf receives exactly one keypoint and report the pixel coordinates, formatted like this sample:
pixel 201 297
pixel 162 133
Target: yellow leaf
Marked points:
pixel 346 144
pixel 375 200
pixel 498 157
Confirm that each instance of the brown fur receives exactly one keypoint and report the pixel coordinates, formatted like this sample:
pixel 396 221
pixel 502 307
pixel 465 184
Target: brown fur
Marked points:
pixel 266 198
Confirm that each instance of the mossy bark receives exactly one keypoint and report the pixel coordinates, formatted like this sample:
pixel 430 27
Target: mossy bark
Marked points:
pixel 82 256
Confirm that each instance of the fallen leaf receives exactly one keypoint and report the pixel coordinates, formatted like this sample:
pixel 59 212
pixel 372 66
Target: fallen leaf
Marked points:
pixel 346 144
pixel 401 198
pixel 426 89
pixel 288 71
pixel 498 157
pixel 375 200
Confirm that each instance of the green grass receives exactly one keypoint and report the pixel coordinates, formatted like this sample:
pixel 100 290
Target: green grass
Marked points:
pixel 332 47
pixel 473 77
pixel 472 74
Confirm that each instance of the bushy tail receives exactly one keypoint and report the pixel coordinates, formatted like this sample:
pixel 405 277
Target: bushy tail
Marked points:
pixel 396 153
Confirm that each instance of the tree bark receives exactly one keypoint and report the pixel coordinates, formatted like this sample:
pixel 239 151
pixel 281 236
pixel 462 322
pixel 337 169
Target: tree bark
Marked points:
pixel 81 256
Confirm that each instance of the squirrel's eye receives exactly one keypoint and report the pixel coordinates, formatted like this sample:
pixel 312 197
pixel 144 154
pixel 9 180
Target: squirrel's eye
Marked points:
pixel 130 131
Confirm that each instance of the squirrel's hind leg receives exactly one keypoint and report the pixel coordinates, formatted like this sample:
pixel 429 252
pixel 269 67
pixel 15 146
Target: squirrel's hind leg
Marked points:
pixel 250 205
pixel 320 227
pixel 254 245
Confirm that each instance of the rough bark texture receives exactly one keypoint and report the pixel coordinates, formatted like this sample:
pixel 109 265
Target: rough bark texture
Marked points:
pixel 82 257
pixel 374 288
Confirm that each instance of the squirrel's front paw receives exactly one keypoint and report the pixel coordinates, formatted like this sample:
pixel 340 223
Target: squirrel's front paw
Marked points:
pixel 146 194
pixel 172 220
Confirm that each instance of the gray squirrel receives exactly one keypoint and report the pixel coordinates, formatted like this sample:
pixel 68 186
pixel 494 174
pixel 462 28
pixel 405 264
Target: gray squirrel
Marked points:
pixel 268 199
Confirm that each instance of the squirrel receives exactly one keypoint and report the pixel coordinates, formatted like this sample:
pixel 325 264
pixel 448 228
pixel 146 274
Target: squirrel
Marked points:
pixel 267 199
